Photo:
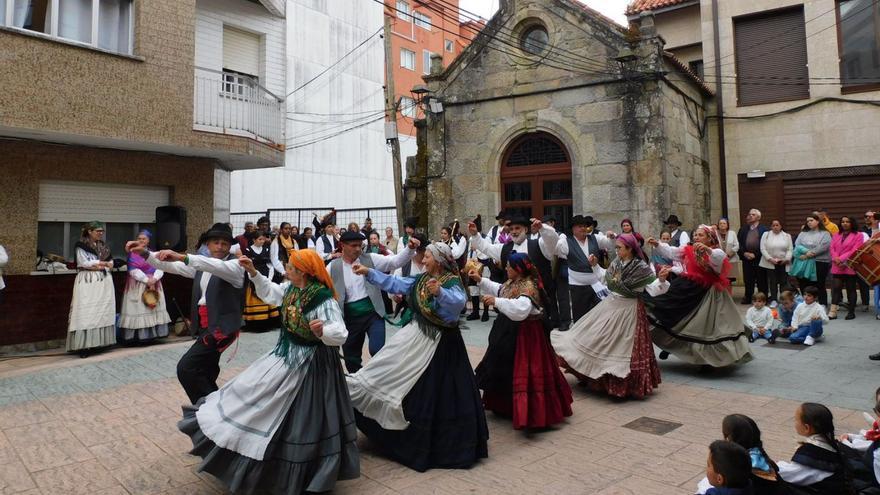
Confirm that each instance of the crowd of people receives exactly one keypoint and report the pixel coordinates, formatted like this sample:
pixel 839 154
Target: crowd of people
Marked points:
pixel 586 302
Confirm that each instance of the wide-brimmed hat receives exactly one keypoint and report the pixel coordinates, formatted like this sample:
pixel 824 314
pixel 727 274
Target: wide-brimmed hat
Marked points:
pixel 219 231
pixel 520 220
pixel 549 218
pixel 582 220
pixel 500 215
pixel 672 219
pixel 349 236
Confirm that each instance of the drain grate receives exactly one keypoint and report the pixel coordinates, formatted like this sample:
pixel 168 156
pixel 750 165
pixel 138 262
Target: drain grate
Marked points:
pixel 653 426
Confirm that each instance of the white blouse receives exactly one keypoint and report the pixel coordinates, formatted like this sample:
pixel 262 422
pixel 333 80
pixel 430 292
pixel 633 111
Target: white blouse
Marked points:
pixel 516 309
pixel 716 257
pixel 775 246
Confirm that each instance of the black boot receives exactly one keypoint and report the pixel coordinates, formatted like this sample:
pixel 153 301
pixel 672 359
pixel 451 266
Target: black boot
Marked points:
pixel 664 355
pixel 485 313
pixel 475 314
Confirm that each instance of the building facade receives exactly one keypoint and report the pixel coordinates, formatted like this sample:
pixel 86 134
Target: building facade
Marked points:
pixel 108 120
pixel 799 84
pixel 555 109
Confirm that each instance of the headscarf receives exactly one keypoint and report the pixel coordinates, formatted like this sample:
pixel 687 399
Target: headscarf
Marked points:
pixel 630 222
pixel 521 264
pixel 632 242
pixel 146 232
pixel 309 262
pixel 712 232
pixel 137 262
pixel 443 254
pixel 98 248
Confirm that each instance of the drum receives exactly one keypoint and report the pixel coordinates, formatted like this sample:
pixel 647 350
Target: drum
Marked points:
pixel 150 298
pixel 866 261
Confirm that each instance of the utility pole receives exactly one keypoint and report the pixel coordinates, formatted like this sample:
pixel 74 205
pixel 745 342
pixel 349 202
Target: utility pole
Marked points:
pixel 391 107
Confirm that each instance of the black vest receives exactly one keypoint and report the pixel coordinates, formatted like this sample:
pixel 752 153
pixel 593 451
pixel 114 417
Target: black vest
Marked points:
pixel 676 239
pixel 225 304
pixel 261 260
pixel 818 458
pixel 494 233
pixel 577 259
pixel 543 265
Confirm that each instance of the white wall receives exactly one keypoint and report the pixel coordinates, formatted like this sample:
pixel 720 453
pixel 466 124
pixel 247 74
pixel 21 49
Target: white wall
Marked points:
pixel 354 168
pixel 211 15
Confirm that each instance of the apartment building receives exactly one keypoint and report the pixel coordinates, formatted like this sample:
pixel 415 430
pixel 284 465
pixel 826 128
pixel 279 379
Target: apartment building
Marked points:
pixel 798 82
pixel 112 108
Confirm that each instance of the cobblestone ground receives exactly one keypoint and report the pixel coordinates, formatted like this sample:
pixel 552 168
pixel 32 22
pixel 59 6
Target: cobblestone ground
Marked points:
pixel 106 425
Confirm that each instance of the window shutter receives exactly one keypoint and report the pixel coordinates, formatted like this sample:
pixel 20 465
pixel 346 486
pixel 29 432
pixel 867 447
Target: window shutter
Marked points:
pixel 771 57
pixel 82 201
pixel 241 51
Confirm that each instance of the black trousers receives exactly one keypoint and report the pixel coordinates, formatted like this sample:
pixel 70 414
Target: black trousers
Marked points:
pixel 359 328
pixel 840 283
pixel 199 368
pixel 552 307
pixel 777 278
pixel 864 291
pixel 753 275
pixel 563 299
pixel 822 269
pixel 583 299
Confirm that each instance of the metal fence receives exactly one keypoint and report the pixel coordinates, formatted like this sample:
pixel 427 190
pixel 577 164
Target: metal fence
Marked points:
pixel 383 216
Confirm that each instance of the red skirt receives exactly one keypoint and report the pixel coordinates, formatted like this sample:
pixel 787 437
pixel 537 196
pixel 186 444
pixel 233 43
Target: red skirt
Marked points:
pixel 644 375
pixel 541 395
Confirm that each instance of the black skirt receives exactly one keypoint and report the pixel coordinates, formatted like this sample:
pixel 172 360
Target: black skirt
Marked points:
pixel 495 371
pixel 447 424
pixel 667 310
pixel 315 446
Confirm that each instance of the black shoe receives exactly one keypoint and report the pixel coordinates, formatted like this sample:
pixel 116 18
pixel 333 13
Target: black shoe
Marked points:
pixel 664 355
pixel 485 316
pixel 773 336
pixel 473 316
pixel 850 316
pixel 874 357
pixel 751 339
pixel 564 326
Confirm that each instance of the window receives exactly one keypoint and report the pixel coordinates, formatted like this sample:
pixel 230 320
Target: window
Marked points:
pixel 236 84
pixel 408 107
pixel 771 48
pixel 60 238
pixel 407 59
pixel 403 12
pixel 422 20
pixel 535 40
pixel 859 29
pixel 449 46
pixel 426 61
pixel 696 67
pixel 73 20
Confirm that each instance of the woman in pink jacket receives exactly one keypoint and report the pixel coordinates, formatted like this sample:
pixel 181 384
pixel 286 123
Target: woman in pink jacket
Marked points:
pixel 843 245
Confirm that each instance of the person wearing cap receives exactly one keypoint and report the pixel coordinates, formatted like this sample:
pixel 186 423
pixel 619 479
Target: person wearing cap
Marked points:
pixel 497 230
pixel 679 237
pixel 285 424
pixel 216 305
pixel 138 321
pixel 92 323
pixel 581 252
pixel 541 251
pixel 362 304
pixel 417 401
pixel 326 244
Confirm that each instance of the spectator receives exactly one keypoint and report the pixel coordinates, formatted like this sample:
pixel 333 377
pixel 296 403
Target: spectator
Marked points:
pixel 729 243
pixel 375 245
pixel 4 259
pixel 728 470
pixel 869 229
pixel 749 238
pixel 390 241
pixel 759 321
pixel 626 227
pixel 776 251
pixel 679 238
pixel 307 239
pixel 846 242
pixel 830 226
pixel 243 240
pixel 353 227
pixel 409 229
pixel 815 243
pixel 368 227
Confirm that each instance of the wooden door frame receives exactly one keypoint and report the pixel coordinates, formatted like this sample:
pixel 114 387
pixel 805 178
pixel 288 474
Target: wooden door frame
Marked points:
pixel 535 175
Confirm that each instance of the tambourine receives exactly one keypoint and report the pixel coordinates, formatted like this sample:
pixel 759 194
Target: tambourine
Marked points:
pixel 150 298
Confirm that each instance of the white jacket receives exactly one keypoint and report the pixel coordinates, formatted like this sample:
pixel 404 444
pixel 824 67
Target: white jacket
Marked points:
pixel 775 246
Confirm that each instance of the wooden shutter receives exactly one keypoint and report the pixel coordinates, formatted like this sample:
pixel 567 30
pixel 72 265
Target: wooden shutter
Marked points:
pixel 771 57
pixel 241 51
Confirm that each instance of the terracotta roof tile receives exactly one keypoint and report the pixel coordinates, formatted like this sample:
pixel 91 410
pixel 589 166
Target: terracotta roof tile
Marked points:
pixel 642 5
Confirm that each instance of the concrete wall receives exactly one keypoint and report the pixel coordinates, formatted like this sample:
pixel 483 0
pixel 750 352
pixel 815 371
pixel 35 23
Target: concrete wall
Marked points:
pixel 24 164
pixel 680 27
pixel 354 168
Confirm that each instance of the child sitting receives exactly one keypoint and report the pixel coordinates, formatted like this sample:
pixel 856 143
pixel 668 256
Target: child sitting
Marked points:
pixel 862 453
pixel 788 302
pixel 807 320
pixel 759 320
pixel 818 463
pixel 728 470
pixel 743 431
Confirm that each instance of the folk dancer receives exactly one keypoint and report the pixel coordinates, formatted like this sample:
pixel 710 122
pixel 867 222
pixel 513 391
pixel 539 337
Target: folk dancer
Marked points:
pixel 579 252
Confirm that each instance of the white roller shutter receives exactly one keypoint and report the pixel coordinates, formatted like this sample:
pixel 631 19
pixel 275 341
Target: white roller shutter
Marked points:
pixel 241 51
pixel 83 201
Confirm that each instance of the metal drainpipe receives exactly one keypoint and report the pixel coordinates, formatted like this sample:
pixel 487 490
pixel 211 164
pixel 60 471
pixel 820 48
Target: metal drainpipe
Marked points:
pixel 719 109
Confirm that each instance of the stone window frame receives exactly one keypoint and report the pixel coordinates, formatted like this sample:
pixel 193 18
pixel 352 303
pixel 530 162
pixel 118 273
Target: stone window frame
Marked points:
pixel 528 20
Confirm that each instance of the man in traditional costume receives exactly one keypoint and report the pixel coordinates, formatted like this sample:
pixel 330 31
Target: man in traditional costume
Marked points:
pixel 216 306
pixel 362 304
pixel 578 250
pixel 679 237
pixel 325 245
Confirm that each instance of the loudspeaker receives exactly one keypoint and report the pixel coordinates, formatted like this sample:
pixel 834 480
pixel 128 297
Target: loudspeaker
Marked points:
pixel 171 228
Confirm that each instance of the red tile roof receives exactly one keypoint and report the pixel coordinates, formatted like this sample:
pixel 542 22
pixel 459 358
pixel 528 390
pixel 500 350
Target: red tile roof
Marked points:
pixel 642 5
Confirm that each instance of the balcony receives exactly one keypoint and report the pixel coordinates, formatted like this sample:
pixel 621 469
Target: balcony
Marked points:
pixel 236 105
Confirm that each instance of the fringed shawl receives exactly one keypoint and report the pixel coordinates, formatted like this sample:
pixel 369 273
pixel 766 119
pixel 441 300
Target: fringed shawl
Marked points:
pixel 628 278
pixel 699 270
pixel 297 303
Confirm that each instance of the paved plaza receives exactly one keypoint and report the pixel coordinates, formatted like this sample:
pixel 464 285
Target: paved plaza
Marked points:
pixel 106 425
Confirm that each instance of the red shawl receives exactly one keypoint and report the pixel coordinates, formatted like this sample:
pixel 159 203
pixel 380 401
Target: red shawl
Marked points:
pixel 699 270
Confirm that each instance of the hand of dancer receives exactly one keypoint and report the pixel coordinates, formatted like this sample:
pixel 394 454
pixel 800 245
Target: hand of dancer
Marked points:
pixel 414 243
pixel 472 228
pixel 317 328
pixel 611 234
pixel 653 242
pixel 248 265
pixel 169 255
pixel 664 273
pixel 488 300
pixel 335 255
pixel 475 276
pixel 593 260
pixel 360 269
pixel 135 246
pixel 433 287
pixel 536 225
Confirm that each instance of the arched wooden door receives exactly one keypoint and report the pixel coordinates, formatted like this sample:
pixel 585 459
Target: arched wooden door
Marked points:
pixel 536 178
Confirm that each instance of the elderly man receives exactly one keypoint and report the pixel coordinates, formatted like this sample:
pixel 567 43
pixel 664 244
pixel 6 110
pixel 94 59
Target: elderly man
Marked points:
pixel 749 237
pixel 581 252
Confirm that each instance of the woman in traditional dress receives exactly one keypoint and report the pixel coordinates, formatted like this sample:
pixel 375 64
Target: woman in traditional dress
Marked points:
pixel 258 315
pixel 416 399
pixel 138 321
pixel 280 249
pixel 696 319
pixel 610 349
pixel 93 309
pixel 519 374
pixel 285 424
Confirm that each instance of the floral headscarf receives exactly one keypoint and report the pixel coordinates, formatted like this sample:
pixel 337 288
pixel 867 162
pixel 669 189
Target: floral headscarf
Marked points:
pixel 443 254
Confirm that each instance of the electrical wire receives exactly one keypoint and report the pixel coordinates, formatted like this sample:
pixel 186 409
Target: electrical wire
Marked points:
pixel 362 43
pixel 331 136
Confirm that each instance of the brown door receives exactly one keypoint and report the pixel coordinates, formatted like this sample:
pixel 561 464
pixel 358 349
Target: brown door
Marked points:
pixel 536 178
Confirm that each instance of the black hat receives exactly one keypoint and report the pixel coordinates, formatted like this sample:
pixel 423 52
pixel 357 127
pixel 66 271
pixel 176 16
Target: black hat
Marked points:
pixel 582 220
pixel 349 236
pixel 219 231
pixel 520 220
pixel 479 223
pixel 263 219
pixel 672 219
pixel 410 222
pixel 548 218
pixel 500 215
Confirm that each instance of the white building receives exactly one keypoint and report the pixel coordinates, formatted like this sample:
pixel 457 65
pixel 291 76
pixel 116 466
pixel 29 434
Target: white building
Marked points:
pixel 336 153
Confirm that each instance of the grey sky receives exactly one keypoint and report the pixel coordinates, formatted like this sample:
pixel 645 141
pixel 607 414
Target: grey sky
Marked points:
pixel 611 8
